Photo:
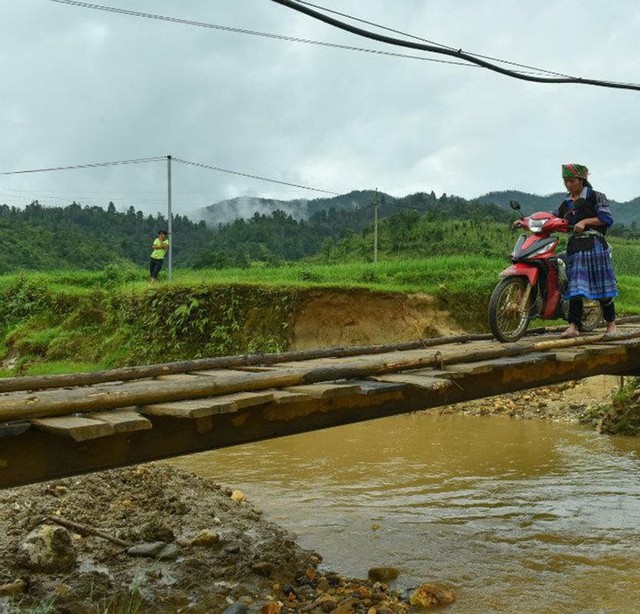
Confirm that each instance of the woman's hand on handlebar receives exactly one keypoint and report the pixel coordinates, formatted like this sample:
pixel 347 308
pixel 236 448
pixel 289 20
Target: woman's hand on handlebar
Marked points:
pixel 517 224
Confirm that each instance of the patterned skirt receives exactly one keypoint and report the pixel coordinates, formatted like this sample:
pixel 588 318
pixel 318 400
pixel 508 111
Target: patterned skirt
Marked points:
pixel 591 274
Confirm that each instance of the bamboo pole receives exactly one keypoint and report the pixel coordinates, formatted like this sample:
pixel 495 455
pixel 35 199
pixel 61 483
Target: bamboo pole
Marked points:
pixel 85 400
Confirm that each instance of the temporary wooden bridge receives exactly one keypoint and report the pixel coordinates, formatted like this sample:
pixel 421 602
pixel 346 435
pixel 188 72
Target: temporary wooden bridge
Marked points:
pixel 55 426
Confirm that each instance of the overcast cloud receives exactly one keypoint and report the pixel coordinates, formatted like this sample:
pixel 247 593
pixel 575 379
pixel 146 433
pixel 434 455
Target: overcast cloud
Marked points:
pixel 82 86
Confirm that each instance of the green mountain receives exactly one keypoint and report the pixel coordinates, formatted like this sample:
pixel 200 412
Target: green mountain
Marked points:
pixel 245 207
pixel 272 231
pixel 42 238
pixel 623 212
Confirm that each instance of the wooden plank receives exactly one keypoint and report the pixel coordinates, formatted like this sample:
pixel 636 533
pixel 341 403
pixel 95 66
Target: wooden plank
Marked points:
pixel 219 372
pixel 123 420
pixel 178 377
pixel 570 355
pixel 250 399
pixel 287 396
pixel 486 366
pixel 325 391
pixel 418 380
pixel 624 342
pixel 104 385
pixel 194 376
pixel 76 427
pixel 371 387
pixel 198 408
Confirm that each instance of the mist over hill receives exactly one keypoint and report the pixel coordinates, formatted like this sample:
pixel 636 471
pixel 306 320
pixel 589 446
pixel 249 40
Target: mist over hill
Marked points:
pixel 245 207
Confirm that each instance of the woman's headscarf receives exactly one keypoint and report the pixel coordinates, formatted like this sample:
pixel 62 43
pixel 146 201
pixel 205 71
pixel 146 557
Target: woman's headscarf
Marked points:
pixel 578 171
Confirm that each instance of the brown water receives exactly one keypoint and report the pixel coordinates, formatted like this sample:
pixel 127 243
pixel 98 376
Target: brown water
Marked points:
pixel 513 516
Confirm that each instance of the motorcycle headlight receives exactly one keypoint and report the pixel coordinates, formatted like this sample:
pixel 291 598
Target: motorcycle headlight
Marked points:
pixel 536 225
pixel 543 250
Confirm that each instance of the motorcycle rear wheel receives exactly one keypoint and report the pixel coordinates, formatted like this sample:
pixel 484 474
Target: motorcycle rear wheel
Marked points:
pixel 508 318
pixel 591 315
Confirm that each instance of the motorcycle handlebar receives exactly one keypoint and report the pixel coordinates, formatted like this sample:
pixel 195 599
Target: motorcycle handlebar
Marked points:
pixel 555 224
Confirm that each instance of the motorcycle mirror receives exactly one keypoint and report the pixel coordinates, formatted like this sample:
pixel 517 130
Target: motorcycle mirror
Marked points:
pixel 515 205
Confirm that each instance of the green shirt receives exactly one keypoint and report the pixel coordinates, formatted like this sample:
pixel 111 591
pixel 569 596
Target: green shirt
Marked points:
pixel 158 253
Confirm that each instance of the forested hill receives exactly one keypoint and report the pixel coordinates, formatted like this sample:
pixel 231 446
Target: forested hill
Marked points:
pixel 77 237
pixel 226 211
pixel 245 207
pixel 625 213
pixel 89 237
pixel 278 237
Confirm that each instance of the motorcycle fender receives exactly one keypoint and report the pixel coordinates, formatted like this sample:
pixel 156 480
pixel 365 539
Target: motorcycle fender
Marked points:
pixel 520 270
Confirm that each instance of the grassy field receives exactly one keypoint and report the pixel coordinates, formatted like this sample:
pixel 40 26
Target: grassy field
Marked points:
pixel 436 275
pixel 68 321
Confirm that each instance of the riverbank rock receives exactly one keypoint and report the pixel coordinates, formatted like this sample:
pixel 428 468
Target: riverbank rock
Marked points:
pixel 431 596
pixel 160 551
pixel 206 538
pixel 47 549
pixel 567 402
pixel 383 574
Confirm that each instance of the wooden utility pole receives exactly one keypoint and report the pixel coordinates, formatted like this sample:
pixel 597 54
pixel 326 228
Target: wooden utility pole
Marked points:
pixel 376 204
pixel 169 224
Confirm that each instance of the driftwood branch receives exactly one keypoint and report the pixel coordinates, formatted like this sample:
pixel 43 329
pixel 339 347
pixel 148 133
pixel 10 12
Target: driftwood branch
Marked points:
pixel 84 529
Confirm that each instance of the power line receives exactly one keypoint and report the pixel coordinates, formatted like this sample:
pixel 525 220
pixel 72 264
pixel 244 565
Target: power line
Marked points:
pixel 425 40
pixel 471 60
pixel 291 39
pixel 450 52
pixel 224 170
pixel 163 159
pixel 76 166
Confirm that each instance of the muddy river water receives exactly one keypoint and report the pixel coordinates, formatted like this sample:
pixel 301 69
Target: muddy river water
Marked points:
pixel 511 515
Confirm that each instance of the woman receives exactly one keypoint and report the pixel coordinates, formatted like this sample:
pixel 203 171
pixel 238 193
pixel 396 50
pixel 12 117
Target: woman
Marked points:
pixel 589 270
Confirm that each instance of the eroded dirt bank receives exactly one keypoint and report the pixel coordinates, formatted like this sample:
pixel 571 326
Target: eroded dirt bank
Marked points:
pixel 326 318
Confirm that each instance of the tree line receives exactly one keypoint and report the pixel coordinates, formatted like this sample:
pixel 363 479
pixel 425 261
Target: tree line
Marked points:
pixel 421 224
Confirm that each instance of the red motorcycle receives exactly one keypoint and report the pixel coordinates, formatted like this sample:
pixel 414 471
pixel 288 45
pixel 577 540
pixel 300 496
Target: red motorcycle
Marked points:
pixel 533 286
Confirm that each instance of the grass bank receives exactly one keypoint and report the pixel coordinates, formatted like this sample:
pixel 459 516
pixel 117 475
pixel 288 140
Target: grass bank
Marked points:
pixel 65 321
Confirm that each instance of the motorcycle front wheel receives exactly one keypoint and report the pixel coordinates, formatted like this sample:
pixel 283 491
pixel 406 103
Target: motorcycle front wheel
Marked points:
pixel 508 316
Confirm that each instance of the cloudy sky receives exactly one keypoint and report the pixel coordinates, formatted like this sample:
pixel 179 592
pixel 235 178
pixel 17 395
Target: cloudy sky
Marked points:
pixel 84 86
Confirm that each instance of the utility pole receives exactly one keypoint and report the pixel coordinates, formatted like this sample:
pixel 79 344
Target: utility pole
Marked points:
pixel 169 226
pixel 376 204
